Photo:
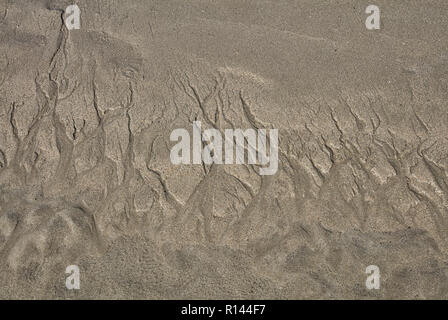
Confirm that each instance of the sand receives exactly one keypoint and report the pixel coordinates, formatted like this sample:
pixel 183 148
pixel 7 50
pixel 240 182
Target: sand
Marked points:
pixel 85 171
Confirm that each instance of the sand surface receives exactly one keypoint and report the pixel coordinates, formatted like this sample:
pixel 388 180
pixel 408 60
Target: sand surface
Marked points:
pixel 85 171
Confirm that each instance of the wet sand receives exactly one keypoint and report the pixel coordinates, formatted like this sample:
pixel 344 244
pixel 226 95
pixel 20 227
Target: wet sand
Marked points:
pixel 85 171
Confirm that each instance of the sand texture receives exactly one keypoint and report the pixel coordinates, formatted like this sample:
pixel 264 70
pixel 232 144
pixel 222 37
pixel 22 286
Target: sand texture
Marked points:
pixel 85 171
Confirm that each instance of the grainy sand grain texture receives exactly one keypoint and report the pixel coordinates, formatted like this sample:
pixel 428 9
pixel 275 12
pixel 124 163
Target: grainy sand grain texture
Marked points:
pixel 85 171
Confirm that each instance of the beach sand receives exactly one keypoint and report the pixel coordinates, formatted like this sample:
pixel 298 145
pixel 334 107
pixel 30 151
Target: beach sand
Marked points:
pixel 86 177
